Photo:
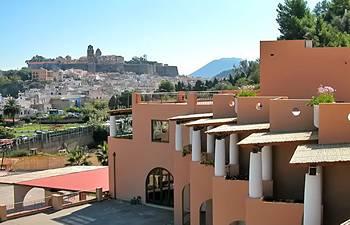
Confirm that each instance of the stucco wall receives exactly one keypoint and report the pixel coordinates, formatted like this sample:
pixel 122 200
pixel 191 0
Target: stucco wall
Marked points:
pixel 229 200
pixel 288 180
pixel 336 198
pixel 289 68
pixel 201 188
pixel 273 213
pixel 283 120
pixel 334 123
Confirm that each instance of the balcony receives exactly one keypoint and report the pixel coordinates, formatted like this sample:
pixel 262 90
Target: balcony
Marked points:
pixel 181 97
pixel 120 124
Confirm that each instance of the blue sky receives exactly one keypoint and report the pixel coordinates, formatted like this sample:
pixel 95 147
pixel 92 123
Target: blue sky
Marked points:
pixel 186 33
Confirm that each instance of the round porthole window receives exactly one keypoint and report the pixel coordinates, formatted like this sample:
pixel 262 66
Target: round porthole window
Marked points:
pixel 232 104
pixel 258 106
pixel 296 112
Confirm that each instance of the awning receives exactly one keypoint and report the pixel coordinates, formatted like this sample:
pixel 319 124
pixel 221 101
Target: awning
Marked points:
pixel 267 138
pixel 321 153
pixel 236 128
pixel 211 122
pixel 190 117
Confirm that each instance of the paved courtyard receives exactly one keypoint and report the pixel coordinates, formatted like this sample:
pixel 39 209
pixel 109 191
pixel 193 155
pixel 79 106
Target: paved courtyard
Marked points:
pixel 109 212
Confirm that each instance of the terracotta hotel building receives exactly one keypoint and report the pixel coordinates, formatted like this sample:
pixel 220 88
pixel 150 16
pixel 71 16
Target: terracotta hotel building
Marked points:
pixel 217 159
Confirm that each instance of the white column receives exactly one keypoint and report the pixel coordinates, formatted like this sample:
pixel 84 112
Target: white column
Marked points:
pixel 190 131
pixel 178 138
pixel 210 141
pixel 266 158
pixel 255 175
pixel 220 157
pixel 112 126
pixel 234 153
pixel 313 199
pixel 196 145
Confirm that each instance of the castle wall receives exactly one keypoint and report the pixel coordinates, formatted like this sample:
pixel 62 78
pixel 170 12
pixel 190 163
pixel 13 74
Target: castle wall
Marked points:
pixel 165 70
pixel 110 67
pixel 140 68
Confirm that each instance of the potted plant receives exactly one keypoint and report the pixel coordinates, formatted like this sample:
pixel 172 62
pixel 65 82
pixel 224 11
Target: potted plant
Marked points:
pixel 325 95
pixel 246 91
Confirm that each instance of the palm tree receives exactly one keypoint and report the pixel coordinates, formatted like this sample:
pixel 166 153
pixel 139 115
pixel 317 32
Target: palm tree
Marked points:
pixel 78 157
pixel 102 154
pixel 11 109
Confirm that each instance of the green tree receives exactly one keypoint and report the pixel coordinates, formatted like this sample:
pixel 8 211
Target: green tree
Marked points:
pixel 166 86
pixel 223 85
pixel 294 19
pixel 180 86
pixel 11 109
pixel 6 133
pixel 102 154
pixel 199 86
pixel 328 24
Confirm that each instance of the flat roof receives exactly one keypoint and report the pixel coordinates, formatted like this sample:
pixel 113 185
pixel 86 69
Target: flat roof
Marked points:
pixel 189 117
pixel 321 153
pixel 13 179
pixel 235 128
pixel 279 137
pixel 211 122
pixel 81 181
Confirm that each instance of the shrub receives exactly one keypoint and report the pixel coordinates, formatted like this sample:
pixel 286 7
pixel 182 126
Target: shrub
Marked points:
pixel 246 92
pixel 17 153
pixel 325 95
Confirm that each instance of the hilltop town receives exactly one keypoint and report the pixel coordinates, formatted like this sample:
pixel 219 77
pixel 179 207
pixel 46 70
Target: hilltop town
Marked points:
pixel 61 83
pixel 96 62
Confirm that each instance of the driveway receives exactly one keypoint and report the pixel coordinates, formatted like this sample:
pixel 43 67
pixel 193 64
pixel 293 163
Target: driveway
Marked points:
pixel 109 212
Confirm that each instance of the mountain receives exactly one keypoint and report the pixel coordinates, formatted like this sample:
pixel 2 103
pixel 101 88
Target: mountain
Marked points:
pixel 215 67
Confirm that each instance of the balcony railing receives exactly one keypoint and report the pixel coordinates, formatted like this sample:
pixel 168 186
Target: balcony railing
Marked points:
pixel 163 97
pixel 206 96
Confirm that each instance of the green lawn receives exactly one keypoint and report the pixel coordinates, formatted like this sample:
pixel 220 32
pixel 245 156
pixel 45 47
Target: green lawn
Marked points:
pixel 29 129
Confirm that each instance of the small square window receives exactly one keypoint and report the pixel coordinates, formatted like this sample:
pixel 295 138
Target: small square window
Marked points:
pixel 160 131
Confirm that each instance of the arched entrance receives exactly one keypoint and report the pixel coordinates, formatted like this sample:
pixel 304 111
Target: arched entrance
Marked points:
pixel 206 213
pixel 160 187
pixel 186 208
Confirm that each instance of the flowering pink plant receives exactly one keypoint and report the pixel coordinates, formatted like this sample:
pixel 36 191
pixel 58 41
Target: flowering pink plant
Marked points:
pixel 325 89
pixel 325 95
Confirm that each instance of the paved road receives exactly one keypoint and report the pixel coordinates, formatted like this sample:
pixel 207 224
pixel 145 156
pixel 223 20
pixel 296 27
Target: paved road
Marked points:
pixel 109 212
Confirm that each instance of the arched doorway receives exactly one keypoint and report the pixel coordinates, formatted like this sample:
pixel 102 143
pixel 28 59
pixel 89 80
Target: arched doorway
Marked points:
pixel 160 187
pixel 206 213
pixel 186 207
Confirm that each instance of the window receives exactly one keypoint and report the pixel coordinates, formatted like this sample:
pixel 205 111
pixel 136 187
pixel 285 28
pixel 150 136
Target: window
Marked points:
pixel 160 131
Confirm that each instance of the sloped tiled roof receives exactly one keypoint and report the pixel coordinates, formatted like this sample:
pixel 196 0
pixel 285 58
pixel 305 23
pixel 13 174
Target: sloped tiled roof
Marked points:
pixel 279 137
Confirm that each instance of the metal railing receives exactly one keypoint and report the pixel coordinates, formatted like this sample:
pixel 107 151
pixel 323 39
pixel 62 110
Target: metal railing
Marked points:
pixel 206 96
pixel 162 97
